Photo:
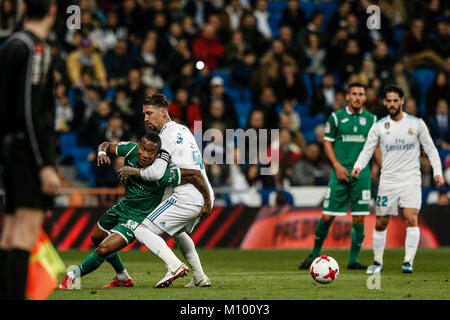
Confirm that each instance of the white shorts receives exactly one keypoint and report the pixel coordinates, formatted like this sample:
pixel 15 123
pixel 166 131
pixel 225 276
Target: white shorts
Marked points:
pixel 392 196
pixel 173 216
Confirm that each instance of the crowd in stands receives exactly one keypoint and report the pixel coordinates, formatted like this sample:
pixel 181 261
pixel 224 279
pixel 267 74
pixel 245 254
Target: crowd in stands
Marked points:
pixel 244 64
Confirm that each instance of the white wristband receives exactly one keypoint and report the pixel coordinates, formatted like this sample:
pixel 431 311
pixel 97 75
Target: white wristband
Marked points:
pixel 100 153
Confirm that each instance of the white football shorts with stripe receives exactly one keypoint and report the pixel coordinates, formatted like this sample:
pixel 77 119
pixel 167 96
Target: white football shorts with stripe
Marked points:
pixel 172 216
pixel 391 196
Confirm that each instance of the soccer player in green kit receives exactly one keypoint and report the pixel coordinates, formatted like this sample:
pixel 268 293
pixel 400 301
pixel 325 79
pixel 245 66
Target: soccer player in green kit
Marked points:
pixel 115 229
pixel 345 134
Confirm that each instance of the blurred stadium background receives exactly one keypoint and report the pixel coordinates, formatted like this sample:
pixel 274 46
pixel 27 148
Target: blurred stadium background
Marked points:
pixel 241 64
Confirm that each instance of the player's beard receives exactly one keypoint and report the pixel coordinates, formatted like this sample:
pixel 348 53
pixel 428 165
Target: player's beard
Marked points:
pixel 394 113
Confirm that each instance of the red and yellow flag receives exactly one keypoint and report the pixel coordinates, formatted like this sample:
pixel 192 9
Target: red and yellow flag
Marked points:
pixel 44 269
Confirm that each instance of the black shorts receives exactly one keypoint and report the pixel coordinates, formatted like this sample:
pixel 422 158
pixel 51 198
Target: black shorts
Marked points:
pixel 21 176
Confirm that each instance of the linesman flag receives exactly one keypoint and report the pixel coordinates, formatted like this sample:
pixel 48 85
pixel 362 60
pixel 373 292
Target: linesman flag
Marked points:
pixel 44 269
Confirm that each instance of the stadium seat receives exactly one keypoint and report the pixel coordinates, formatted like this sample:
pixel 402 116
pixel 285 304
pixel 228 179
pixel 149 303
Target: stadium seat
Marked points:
pixel 243 111
pixel 444 153
pixel 308 8
pixel 328 8
pixel 309 136
pixel 309 123
pixel 303 110
pixel 309 86
pixel 167 92
pixel 424 78
pixel 224 74
pixel 68 142
pixel 398 37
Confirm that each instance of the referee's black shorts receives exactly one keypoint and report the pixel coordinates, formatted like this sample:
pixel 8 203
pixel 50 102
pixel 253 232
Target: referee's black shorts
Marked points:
pixel 21 175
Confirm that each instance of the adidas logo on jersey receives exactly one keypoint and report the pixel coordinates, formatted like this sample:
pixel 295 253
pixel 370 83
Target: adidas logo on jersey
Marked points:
pixel 163 224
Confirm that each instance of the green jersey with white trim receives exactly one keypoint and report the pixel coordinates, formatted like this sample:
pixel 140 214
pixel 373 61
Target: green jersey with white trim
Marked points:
pixel 348 132
pixel 142 197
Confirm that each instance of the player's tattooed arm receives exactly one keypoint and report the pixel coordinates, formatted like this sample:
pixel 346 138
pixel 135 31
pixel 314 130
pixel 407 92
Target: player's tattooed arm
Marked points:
pixel 127 171
pixel 103 150
pixel 195 178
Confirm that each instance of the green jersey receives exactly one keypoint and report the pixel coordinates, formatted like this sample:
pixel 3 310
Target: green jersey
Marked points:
pixel 348 132
pixel 142 197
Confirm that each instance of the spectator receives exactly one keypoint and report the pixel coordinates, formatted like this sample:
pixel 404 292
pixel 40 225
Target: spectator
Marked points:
pixel 416 46
pixel 440 125
pixel 106 37
pixel 251 34
pixel 234 12
pixel 336 50
pixel 90 132
pixel 214 157
pixel 235 48
pixel 357 32
pixel 315 55
pixel 405 80
pixel 190 30
pixel 293 17
pixel 311 169
pixel 183 111
pixel 114 130
pixel 319 133
pixel 10 18
pixel 148 61
pixel 383 61
pixel 339 20
pixel 262 18
pixel 219 22
pixel 243 71
pixel 130 18
pixel 293 48
pixel 86 104
pixel 123 105
pixel 367 72
pixel 186 78
pixel 63 112
pixel 135 89
pixel 288 154
pixel 242 180
pixel 199 10
pixel 324 96
pixel 290 85
pixel 217 92
pixel 426 172
pixel 440 89
pixel 85 58
pixel 374 104
pixel 411 108
pixel 351 60
pixel 440 41
pixel 288 111
pixel 315 26
pixel 178 58
pixel 118 63
pixel 217 116
pixel 272 62
pixel 267 103
pixel 207 48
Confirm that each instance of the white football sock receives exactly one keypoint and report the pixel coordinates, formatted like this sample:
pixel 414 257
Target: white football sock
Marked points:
pixel 187 248
pixel 411 243
pixel 157 245
pixel 379 242
pixel 123 275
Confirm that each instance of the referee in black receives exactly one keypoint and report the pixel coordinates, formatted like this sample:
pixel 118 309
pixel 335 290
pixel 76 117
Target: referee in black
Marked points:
pixel 28 148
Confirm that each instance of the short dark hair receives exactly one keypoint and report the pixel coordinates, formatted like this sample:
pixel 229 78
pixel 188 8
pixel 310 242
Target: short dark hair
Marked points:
pixel 395 89
pixel 153 136
pixel 356 84
pixel 38 9
pixel 157 100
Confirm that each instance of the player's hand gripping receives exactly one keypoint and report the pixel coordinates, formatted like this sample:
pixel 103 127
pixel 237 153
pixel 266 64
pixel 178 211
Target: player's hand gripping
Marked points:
pixel 126 172
pixel 102 158
pixel 341 172
pixel 439 181
pixel 206 210
pixel 356 172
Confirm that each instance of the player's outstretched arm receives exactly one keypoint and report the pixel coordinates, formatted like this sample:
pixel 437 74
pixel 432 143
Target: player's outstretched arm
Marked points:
pixel 103 150
pixel 369 148
pixel 432 153
pixel 195 178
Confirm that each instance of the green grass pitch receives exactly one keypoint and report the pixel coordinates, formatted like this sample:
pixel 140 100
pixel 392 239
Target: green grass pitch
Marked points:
pixel 267 275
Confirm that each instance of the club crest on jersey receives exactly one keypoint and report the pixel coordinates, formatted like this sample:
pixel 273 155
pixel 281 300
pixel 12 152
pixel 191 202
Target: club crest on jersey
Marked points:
pixel 363 121
pixel 410 131
pixel 387 125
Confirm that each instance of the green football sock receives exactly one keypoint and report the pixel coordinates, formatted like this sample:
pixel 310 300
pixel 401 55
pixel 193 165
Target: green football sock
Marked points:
pixel 91 263
pixel 357 240
pixel 115 260
pixel 320 235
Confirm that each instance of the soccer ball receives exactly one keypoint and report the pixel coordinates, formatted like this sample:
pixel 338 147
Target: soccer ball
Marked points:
pixel 324 269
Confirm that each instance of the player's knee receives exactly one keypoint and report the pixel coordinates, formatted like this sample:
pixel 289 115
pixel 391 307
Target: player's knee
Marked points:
pixel 103 250
pixel 327 219
pixel 380 225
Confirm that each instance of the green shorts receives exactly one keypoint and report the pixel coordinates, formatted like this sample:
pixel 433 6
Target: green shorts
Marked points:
pixel 341 194
pixel 114 221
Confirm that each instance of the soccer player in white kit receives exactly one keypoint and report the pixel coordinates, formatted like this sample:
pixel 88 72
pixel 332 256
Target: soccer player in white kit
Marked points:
pixel 400 136
pixel 179 214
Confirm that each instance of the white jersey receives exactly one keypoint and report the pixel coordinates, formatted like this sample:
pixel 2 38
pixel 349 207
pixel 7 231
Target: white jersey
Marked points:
pixel 179 142
pixel 400 149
